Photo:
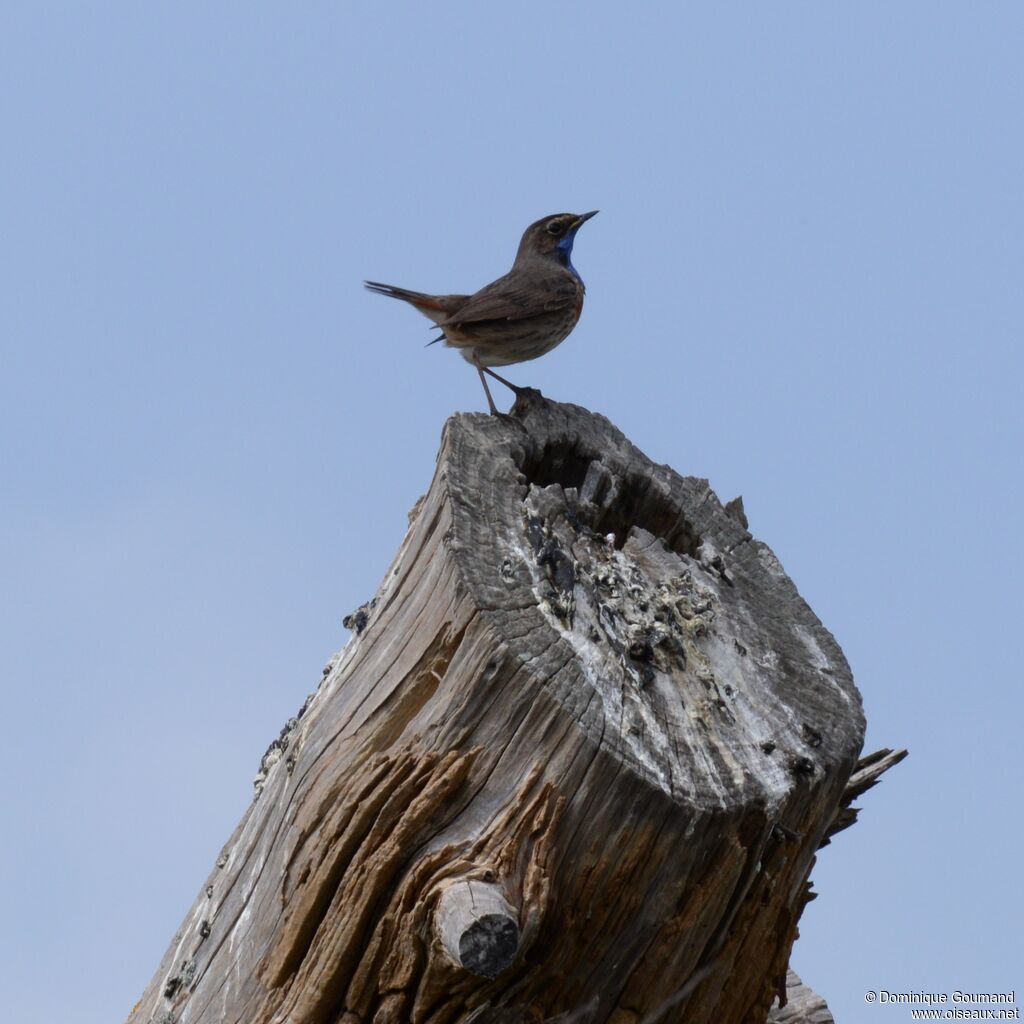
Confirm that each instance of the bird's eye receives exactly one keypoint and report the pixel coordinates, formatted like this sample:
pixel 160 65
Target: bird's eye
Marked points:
pixel 556 228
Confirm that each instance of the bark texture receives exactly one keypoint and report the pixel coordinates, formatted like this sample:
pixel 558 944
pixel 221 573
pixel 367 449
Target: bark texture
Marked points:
pixel 574 764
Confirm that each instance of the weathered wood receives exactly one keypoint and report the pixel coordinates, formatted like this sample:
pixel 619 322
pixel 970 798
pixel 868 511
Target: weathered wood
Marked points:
pixel 584 698
pixel 866 775
pixel 803 1006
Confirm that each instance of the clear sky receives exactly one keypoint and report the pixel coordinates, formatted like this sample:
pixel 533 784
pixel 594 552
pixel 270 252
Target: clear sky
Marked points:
pixel 804 283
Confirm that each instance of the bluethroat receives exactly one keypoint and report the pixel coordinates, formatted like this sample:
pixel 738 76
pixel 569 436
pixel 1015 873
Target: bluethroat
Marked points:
pixel 520 316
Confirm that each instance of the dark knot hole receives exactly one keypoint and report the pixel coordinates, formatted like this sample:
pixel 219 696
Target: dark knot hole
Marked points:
pixel 612 500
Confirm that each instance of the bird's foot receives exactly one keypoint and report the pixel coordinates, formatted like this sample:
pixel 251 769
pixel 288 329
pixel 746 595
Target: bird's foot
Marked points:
pixel 526 399
pixel 524 396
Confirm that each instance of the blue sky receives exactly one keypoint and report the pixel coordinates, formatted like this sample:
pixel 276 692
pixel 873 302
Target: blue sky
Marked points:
pixel 804 284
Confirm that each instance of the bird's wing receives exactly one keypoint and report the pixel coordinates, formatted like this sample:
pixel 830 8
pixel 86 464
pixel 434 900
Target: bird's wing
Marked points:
pixel 516 296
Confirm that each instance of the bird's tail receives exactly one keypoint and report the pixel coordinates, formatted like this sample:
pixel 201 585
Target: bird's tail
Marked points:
pixel 393 292
pixel 434 307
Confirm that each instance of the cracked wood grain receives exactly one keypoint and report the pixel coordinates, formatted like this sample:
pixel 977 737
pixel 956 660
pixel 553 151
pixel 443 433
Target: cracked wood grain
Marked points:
pixel 574 763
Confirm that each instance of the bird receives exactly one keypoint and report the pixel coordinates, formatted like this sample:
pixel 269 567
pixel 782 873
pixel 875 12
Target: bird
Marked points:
pixel 518 317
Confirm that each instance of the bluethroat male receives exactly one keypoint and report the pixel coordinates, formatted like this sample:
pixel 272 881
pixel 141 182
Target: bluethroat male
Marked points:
pixel 520 316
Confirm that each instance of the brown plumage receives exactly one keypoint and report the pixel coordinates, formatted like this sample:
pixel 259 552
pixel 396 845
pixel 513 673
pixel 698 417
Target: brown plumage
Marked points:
pixel 521 315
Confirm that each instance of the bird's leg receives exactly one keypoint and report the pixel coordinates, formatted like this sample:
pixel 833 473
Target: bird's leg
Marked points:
pixel 512 387
pixel 487 390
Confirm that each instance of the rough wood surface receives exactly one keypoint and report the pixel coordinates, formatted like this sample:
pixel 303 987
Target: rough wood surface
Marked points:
pixel 584 691
pixel 866 775
pixel 803 1006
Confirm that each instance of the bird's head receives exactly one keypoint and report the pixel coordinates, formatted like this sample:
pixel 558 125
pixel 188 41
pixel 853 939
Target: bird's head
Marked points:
pixel 552 237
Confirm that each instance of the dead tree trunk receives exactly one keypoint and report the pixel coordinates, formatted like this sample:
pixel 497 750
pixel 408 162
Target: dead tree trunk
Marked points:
pixel 576 761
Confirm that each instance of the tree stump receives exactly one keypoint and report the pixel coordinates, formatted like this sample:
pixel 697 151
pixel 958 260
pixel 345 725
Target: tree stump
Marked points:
pixel 574 764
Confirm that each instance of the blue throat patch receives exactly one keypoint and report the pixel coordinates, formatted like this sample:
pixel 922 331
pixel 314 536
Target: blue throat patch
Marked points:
pixel 563 252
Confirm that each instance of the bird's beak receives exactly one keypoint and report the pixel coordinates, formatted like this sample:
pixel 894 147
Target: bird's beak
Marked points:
pixel 582 217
